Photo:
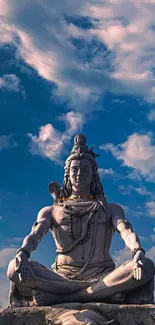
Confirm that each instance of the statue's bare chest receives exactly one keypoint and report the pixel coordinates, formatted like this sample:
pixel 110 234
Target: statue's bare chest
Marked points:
pixel 76 234
pixel 73 224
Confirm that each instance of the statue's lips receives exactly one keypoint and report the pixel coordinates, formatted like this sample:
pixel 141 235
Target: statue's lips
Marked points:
pixel 80 180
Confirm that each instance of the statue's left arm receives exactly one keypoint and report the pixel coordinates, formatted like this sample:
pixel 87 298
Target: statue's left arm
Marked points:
pixel 123 226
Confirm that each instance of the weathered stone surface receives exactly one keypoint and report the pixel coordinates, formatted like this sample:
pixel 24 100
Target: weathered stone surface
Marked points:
pixel 79 314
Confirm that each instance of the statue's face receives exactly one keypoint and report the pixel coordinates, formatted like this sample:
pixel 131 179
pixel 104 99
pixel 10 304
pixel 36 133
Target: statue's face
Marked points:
pixel 80 173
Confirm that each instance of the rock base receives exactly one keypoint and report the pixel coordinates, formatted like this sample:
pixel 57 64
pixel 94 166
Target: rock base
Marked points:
pixel 79 314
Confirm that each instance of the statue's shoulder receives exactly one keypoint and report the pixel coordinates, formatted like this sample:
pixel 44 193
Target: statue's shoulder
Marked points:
pixel 116 212
pixel 45 213
pixel 115 208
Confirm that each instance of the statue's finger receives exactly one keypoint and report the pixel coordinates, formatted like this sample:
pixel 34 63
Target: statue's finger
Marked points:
pixel 135 265
pixel 134 273
pixel 137 274
pixel 140 273
pixel 18 265
pixel 22 275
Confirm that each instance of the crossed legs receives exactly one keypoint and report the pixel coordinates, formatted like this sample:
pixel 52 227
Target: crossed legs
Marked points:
pixel 119 280
pixel 48 287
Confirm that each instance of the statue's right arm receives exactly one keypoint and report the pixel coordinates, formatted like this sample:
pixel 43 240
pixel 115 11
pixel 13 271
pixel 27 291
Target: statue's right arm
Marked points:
pixel 39 229
pixel 30 242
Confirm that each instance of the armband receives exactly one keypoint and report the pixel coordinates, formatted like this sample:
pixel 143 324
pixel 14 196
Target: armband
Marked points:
pixel 22 249
pixel 136 250
pixel 35 224
pixel 128 224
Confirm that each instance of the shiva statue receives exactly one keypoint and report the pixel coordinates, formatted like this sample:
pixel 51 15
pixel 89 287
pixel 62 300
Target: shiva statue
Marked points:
pixel 82 223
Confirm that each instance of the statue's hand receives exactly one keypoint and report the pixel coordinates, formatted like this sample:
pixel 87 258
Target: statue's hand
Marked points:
pixel 138 264
pixel 22 266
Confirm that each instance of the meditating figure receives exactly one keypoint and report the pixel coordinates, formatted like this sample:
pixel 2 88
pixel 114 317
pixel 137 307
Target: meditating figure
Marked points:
pixel 82 223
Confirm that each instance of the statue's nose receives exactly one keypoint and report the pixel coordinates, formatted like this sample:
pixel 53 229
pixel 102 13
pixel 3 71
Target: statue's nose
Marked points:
pixel 79 172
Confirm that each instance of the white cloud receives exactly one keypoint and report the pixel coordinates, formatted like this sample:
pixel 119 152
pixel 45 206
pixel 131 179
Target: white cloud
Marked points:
pixel 151 253
pixel 122 256
pixel 17 239
pixel 51 143
pixel 4 292
pixel 44 40
pixel 151 115
pixel 10 82
pixel 134 175
pixel 138 153
pixel 131 212
pixel 7 141
pixel 143 238
pixel 73 121
pixel 106 172
pixel 7 32
pixel 6 254
pixel 150 208
pixel 125 254
pixel 48 144
pixel 125 190
pixel 152 237
pixel 128 190
pixel 119 101
pixel 142 190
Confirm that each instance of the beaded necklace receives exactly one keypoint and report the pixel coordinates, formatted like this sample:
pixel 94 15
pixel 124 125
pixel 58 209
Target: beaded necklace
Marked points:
pixel 79 197
pixel 87 236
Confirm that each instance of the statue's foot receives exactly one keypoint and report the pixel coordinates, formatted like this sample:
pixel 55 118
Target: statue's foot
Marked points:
pixel 142 295
pixel 18 300
pixel 118 298
pixel 41 298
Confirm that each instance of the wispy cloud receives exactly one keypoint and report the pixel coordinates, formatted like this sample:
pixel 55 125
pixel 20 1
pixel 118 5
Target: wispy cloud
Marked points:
pixel 128 190
pixel 151 253
pixel 6 254
pixel 106 172
pixel 10 82
pixel 7 31
pixel 151 115
pixel 130 212
pixel 4 292
pixel 138 153
pixel 115 52
pixel 125 254
pixel 119 101
pixel 122 256
pixel 7 141
pixel 50 142
pixel 150 205
pixel 142 190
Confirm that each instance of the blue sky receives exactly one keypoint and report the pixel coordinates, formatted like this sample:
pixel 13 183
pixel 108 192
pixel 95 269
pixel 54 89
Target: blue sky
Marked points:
pixel 69 67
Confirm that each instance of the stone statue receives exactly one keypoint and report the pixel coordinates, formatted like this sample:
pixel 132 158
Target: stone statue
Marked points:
pixel 82 223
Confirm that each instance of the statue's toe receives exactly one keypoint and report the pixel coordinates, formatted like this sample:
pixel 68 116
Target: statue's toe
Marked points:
pixel 41 298
pixel 37 297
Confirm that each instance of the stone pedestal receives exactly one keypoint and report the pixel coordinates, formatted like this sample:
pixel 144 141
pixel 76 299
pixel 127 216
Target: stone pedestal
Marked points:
pixel 79 314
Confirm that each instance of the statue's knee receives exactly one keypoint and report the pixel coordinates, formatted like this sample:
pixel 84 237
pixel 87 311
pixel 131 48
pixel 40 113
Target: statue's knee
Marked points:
pixel 11 270
pixel 149 268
